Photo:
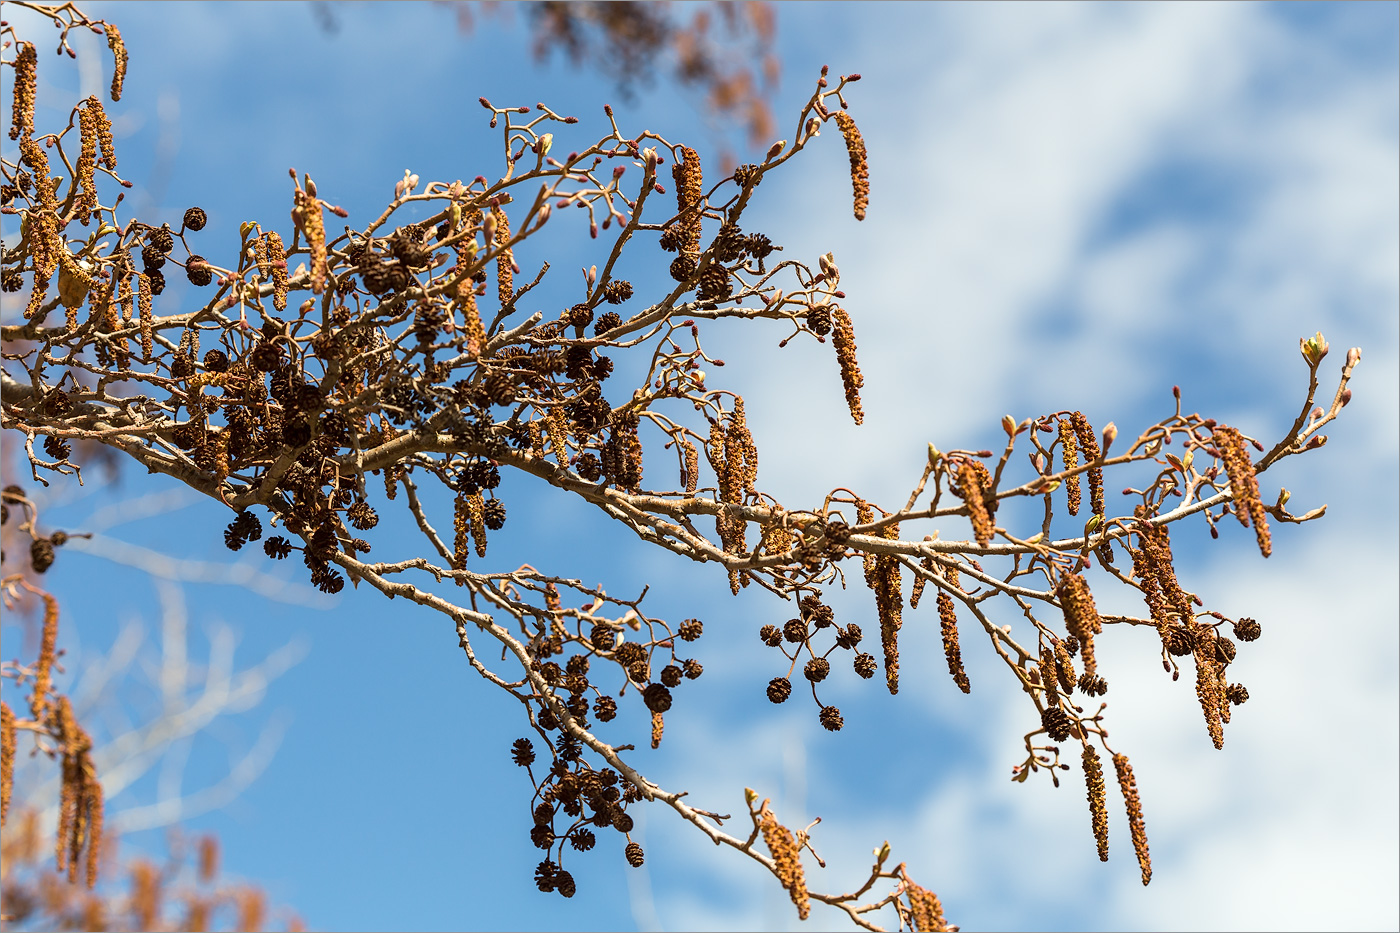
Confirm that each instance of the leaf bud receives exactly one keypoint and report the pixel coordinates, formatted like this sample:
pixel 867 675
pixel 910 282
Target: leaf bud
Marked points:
pixel 1313 348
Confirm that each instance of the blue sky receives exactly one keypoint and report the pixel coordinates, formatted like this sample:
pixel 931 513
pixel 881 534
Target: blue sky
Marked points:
pixel 1074 206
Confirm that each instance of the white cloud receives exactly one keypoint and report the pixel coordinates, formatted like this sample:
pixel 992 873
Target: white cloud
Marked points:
pixel 1017 131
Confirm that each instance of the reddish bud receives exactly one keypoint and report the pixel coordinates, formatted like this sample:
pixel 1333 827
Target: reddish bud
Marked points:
pixel 571 119
pixel 607 108
pixel 1176 392
pixel 854 77
pixel 1346 397
pixel 485 103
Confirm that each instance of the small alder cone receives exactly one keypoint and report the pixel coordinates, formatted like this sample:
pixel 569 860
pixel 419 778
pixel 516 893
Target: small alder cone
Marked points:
pixel 1081 617
pixel 1098 807
pixel 1244 485
pixel 635 857
pixel 788 858
pixel 860 163
pixel 925 909
pixel 1128 785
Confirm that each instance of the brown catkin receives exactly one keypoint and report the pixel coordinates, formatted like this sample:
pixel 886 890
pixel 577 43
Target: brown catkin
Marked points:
pixel 466 290
pixel 145 894
pixel 658 726
pixel 476 515
pixel 94 832
pixel 843 338
pixel 43 667
pixel 1069 456
pixel 948 617
pixel 1098 804
pixel 252 909
pixel 1081 617
pixel 690 193
pixel 106 146
pixel 391 472
pixel 690 473
pixel 1128 785
pixel 119 55
pixel 505 273
pixel 1155 544
pixel 777 538
pixel 860 164
pixel 1048 676
pixel 973 480
pixel 86 201
pixel 461 528
pixel 1244 485
pixel 889 604
pixel 1064 668
pixel 787 858
pixel 208 858
pixel 1089 444
pixel 864 516
pixel 26 65
pixel 260 256
pixel 277 257
pixel 45 187
pixel 925 909
pixel 916 592
pixel 556 425
pixel 740 453
pixel 536 439
pixel 727 456
pixel 7 758
pixel 308 216
pixel 1208 683
pixel 144 304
